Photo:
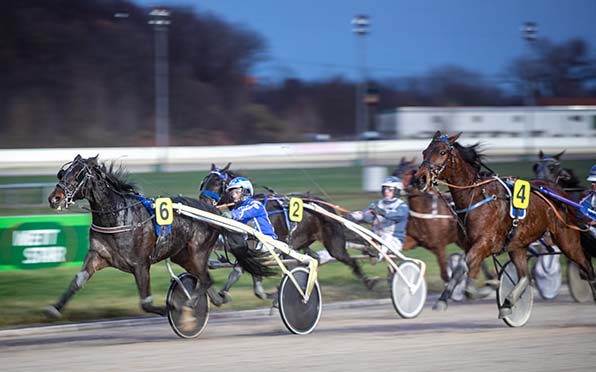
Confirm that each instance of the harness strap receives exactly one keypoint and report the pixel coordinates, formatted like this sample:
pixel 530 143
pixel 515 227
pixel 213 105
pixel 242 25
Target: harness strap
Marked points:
pixel 211 194
pixel 483 201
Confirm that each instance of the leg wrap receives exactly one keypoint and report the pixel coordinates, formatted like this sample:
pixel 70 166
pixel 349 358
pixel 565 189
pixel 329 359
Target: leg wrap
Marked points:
pixel 235 274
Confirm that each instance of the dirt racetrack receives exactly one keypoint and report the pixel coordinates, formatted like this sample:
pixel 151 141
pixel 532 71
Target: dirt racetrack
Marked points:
pixel 560 336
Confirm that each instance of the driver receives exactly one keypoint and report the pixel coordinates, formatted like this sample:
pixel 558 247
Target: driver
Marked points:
pixel 251 212
pixel 389 215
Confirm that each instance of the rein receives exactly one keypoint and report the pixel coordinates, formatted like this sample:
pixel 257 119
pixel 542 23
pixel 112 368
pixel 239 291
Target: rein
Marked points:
pixel 557 214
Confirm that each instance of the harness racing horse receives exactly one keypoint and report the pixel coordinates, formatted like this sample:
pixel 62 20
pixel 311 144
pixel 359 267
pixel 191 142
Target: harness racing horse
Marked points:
pixel 431 223
pixel 483 207
pixel 123 234
pixel 299 236
pixel 548 167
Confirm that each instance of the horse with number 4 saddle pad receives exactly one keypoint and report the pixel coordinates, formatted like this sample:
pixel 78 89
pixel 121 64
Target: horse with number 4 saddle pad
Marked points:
pixel 493 224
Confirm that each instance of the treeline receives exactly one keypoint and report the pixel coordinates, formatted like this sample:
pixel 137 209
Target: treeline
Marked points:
pixel 73 74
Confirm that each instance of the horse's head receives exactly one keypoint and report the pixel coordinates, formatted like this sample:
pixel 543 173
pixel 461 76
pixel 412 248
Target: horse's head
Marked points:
pixel 214 184
pixel 72 181
pixel 548 167
pixel 435 159
pixel 405 171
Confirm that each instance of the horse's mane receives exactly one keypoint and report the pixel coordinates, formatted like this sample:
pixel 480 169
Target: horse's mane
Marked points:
pixel 471 154
pixel 118 178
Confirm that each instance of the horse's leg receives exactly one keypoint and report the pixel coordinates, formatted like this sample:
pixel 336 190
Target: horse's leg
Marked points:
pixel 196 261
pixel 233 277
pixel 569 243
pixel 474 262
pixel 520 260
pixel 93 262
pixel 336 246
pixel 143 280
pixel 441 253
pixel 457 276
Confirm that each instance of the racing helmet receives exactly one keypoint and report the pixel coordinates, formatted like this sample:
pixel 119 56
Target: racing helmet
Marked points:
pixel 241 183
pixel 592 175
pixel 394 183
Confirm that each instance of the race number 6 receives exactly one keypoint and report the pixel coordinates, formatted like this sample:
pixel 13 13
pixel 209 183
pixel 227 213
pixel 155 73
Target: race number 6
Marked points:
pixel 521 194
pixel 296 209
pixel 163 211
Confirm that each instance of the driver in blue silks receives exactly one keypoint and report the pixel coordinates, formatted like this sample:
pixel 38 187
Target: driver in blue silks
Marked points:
pixel 389 215
pixel 251 212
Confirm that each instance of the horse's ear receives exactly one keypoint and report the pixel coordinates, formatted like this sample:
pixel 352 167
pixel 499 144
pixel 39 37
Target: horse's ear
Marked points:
pixel 226 167
pixel 78 157
pixel 212 166
pixel 559 155
pixel 454 138
pixel 540 155
pixel 437 134
pixel 93 161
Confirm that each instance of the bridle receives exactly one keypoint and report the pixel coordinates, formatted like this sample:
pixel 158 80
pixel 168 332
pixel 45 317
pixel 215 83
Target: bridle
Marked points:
pixel 215 197
pixel 436 168
pixel 82 176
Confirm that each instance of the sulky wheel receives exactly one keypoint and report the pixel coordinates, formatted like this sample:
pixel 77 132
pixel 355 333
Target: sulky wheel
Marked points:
pixel 453 260
pixel 407 304
pixel 522 309
pixel 300 318
pixel 578 288
pixel 186 320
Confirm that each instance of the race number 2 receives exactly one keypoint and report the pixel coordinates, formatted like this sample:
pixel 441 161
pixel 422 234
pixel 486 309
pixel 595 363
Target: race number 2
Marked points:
pixel 521 194
pixel 296 209
pixel 163 211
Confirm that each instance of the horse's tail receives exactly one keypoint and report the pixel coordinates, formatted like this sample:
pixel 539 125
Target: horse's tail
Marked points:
pixel 249 259
pixel 252 261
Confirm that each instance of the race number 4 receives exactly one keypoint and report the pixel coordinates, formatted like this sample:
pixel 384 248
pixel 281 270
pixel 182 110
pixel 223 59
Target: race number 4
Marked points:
pixel 163 211
pixel 521 194
pixel 296 209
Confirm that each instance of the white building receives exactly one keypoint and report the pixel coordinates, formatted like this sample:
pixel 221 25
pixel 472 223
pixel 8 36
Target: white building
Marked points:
pixel 536 121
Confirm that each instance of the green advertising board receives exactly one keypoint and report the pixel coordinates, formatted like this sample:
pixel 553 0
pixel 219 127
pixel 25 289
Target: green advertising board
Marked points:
pixel 35 242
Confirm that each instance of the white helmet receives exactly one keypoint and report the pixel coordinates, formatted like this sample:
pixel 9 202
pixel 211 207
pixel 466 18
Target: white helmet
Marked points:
pixel 592 175
pixel 241 183
pixel 394 183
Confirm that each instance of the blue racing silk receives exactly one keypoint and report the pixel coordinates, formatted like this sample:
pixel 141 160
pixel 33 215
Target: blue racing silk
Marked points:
pixel 253 212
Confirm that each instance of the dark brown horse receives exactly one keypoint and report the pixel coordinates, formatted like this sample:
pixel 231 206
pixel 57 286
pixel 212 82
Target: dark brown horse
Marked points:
pixel 483 208
pixel 123 234
pixel 299 236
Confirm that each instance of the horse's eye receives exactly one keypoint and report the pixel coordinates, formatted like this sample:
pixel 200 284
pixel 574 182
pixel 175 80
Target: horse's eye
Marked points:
pixel 442 152
pixel 60 174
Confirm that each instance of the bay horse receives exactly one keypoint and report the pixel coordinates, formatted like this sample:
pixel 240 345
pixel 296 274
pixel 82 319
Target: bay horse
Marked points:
pixel 123 234
pixel 431 223
pixel 299 236
pixel 483 208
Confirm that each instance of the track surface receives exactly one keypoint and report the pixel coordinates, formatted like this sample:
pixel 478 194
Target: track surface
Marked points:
pixel 560 336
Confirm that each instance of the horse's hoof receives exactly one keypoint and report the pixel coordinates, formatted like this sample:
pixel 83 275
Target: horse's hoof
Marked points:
pixel 259 291
pixel 493 283
pixel 478 293
pixel 215 298
pixel 226 296
pixel 187 322
pixel 370 283
pixel 52 312
pixel 504 312
pixel 440 305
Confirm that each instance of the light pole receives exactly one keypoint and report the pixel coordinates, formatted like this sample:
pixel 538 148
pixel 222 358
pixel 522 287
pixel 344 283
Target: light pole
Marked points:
pixel 360 27
pixel 160 21
pixel 529 33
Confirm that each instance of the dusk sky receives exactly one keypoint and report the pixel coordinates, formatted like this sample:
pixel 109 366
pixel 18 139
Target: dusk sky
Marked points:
pixel 314 39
